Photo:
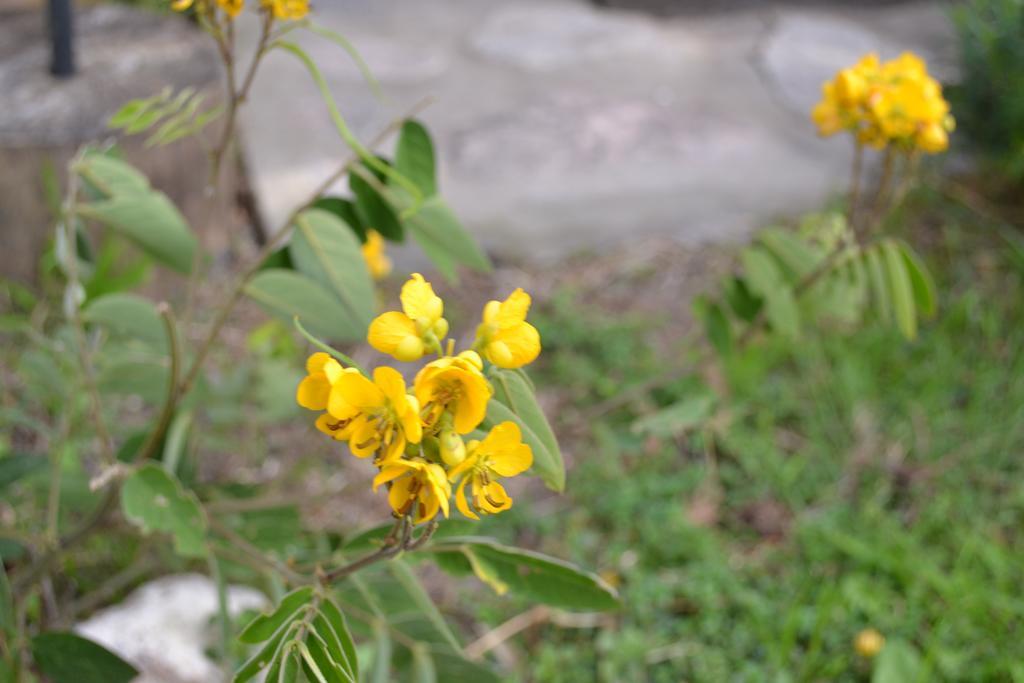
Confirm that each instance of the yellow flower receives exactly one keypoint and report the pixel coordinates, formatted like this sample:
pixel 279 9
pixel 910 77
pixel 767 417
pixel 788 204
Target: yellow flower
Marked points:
pixel 415 481
pixel 231 7
pixel 383 417
pixel 501 454
pixel 287 9
pixel 869 643
pixel 896 102
pixel 318 390
pixel 455 384
pixel 377 262
pixel 505 338
pixel 409 334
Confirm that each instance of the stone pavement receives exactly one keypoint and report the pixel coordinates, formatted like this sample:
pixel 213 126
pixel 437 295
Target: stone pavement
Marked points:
pixel 562 127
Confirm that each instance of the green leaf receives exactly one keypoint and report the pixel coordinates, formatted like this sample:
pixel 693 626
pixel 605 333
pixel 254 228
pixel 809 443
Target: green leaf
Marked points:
pixel 154 500
pixel 879 285
pixel 329 670
pixel 533 575
pixel 797 256
pixel 373 210
pixel 408 580
pixel 288 294
pixel 110 176
pixel 678 418
pixel 898 662
pixel 324 249
pixel 344 210
pixel 68 658
pixel 129 315
pixel 741 300
pixel 7 621
pixel 766 281
pixel 716 324
pixel 152 222
pixel 444 240
pixel 311 667
pixel 514 400
pixel 265 625
pixel 901 288
pixel 381 671
pixel 266 658
pixel 337 622
pixel 414 157
pixel 921 282
pixel 332 646
pixel 16 466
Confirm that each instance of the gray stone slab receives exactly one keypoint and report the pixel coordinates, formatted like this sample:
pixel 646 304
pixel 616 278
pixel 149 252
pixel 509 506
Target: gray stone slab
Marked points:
pixel 562 127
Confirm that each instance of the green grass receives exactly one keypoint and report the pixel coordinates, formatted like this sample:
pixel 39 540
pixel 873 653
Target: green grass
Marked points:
pixel 862 482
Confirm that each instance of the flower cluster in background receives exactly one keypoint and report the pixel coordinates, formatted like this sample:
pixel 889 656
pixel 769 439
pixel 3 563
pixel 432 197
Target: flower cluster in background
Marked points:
pixel 426 439
pixel 886 103
pixel 284 10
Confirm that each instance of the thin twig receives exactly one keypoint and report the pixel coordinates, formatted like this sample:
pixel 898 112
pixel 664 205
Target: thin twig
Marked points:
pixel 390 548
pixel 882 194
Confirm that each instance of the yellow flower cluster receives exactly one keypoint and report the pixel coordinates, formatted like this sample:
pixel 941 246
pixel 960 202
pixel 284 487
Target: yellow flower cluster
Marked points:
pixel 280 9
pixel 416 434
pixel 881 103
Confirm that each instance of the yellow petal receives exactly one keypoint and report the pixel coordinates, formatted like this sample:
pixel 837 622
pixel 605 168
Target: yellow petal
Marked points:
pixel 461 502
pixel 388 473
pixel 400 494
pixel 358 392
pixel 504 451
pixel 420 302
pixel 493 498
pixel 514 308
pixel 339 430
pixel 316 362
pixel 391 384
pixel 313 391
pixel 388 330
pixel 471 407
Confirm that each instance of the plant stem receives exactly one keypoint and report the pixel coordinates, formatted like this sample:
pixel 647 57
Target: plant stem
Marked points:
pixel 883 191
pixel 855 176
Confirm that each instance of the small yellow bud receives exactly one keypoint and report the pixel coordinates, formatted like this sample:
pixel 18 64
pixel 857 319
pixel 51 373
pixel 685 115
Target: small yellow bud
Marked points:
pixel 440 328
pixel 869 643
pixel 453 449
pixel 850 86
pixel 409 349
pixel 933 138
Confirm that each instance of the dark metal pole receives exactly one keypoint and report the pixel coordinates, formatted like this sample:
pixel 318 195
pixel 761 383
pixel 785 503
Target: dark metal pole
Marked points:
pixel 62 39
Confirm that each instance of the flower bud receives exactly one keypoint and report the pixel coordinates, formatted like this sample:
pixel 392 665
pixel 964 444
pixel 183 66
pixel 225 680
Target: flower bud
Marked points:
pixel 409 349
pixel 869 643
pixel 453 449
pixel 440 328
